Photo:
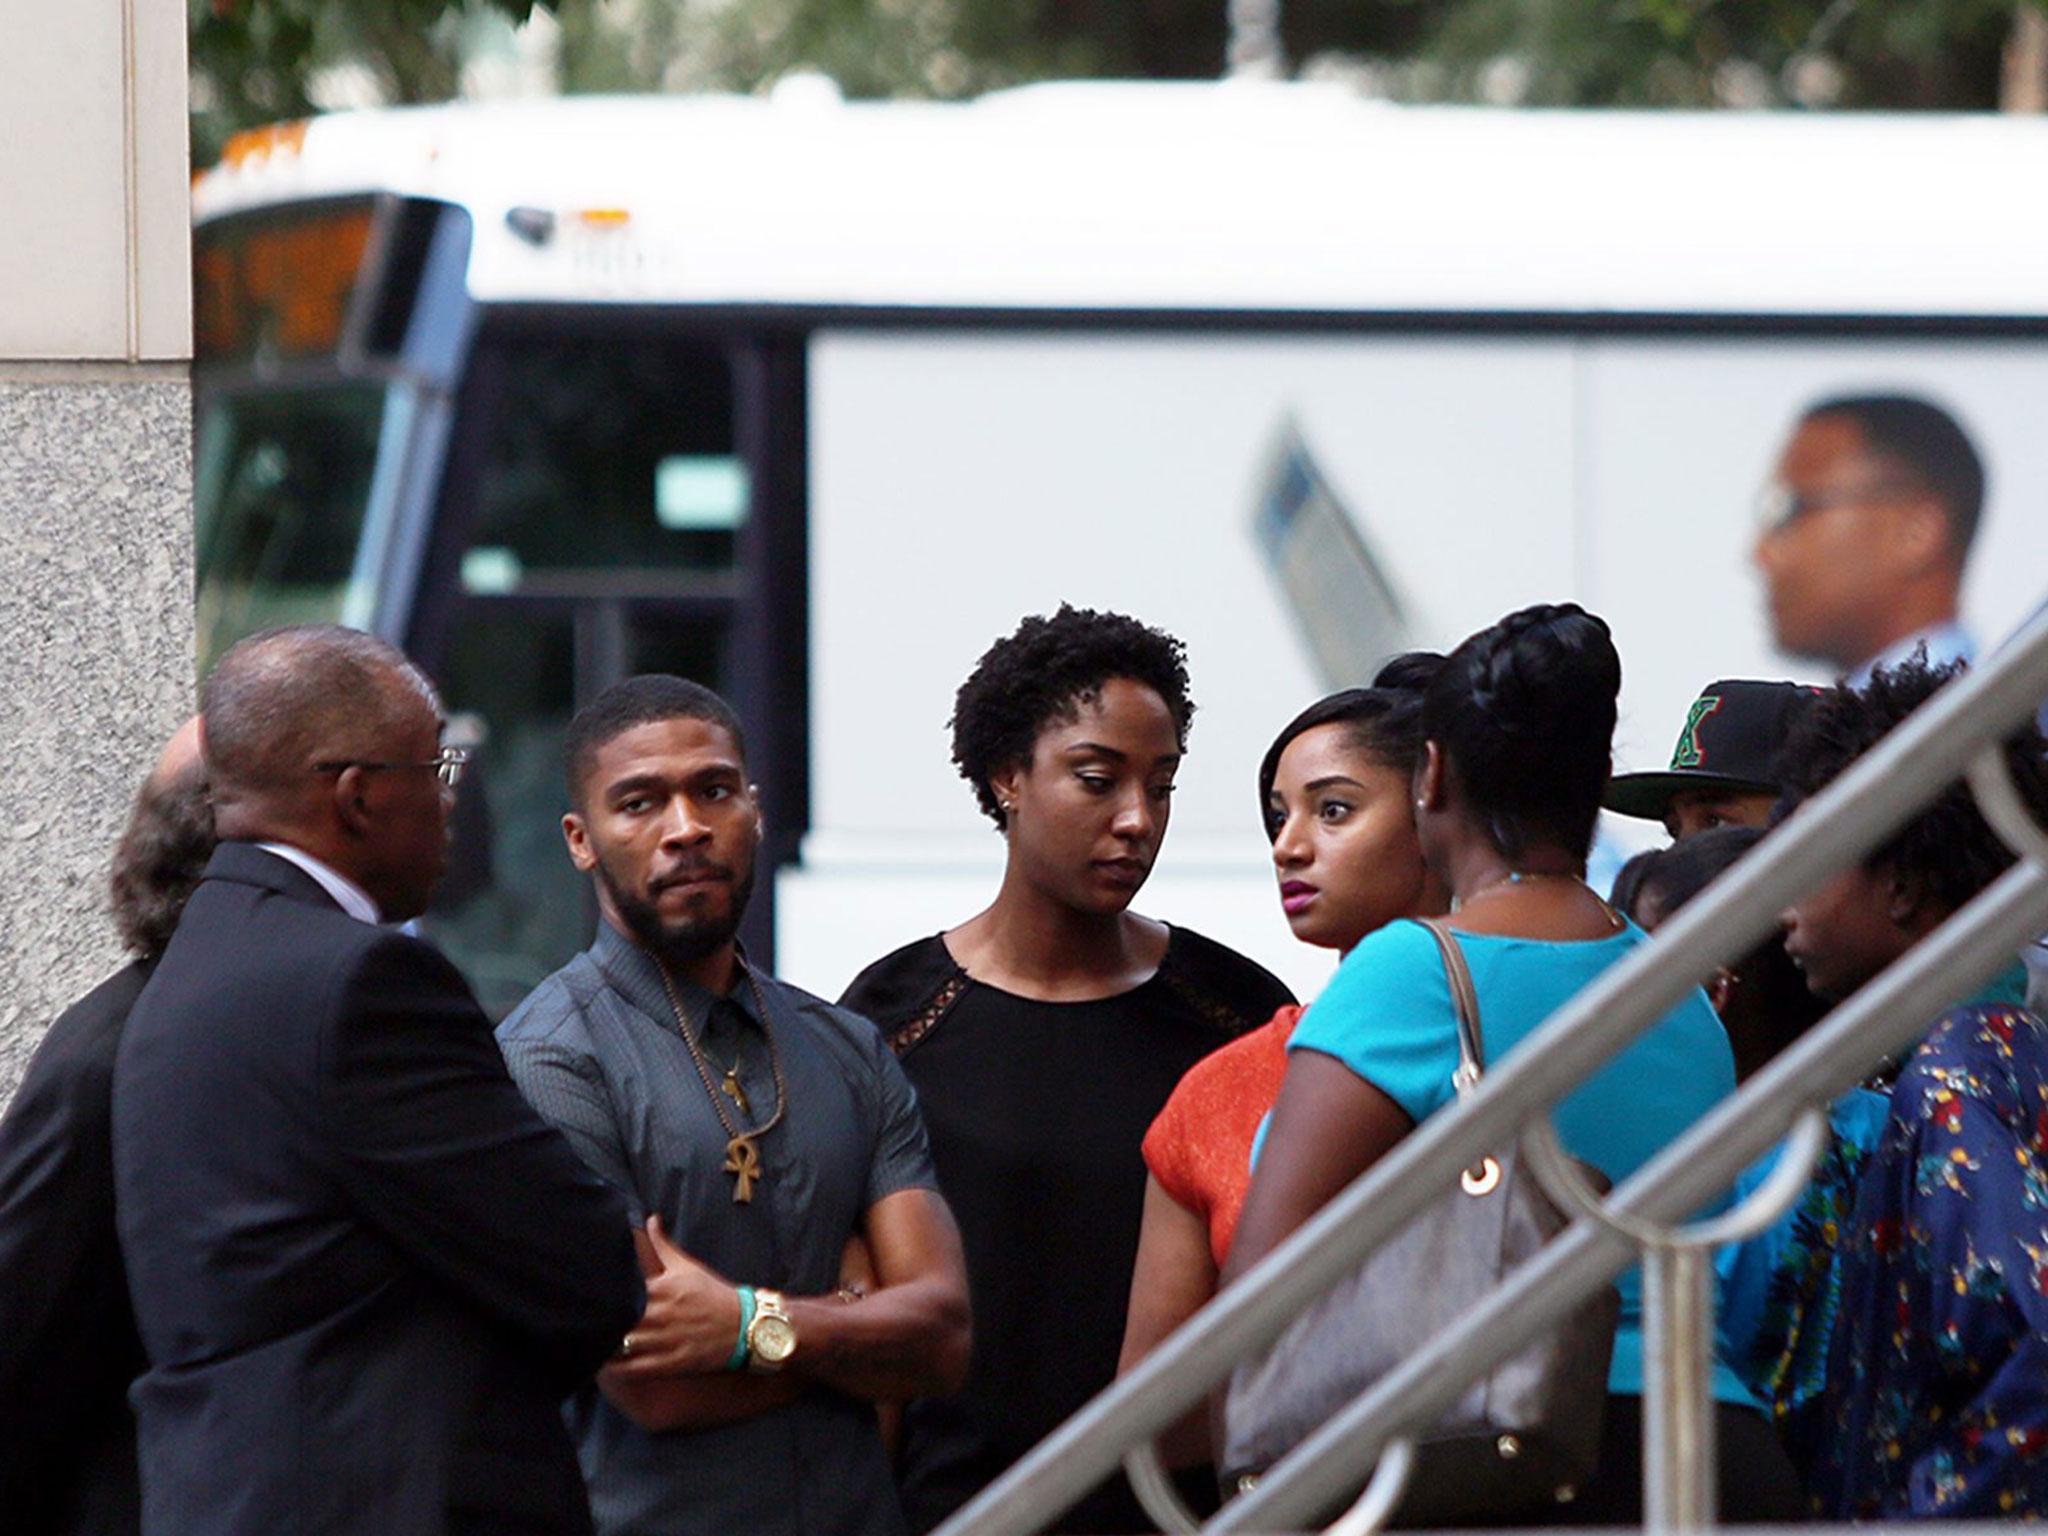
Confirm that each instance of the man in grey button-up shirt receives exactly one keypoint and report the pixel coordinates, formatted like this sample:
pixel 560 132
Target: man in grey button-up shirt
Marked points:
pixel 772 1134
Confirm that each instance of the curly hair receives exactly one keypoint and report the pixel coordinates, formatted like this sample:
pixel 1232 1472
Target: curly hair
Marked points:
pixel 1948 851
pixel 160 857
pixel 1524 711
pixel 1385 721
pixel 1044 672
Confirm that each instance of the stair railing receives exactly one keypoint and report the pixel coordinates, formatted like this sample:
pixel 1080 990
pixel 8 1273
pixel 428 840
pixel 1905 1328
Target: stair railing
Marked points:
pixel 1955 734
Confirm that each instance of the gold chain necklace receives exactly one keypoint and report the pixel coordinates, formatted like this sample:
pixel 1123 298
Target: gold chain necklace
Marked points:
pixel 730 1084
pixel 742 1152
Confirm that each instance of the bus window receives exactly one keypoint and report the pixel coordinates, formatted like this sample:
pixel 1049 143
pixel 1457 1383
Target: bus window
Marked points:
pixel 512 908
pixel 283 489
pixel 595 539
pixel 610 454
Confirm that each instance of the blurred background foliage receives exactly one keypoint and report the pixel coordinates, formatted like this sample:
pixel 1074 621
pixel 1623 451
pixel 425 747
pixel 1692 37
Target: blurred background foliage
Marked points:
pixel 256 61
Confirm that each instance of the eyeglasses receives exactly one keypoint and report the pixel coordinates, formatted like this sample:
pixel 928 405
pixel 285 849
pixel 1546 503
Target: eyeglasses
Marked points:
pixel 1779 506
pixel 447 765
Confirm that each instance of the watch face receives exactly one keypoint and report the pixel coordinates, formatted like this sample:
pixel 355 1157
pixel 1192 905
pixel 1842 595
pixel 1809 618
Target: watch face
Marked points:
pixel 772 1339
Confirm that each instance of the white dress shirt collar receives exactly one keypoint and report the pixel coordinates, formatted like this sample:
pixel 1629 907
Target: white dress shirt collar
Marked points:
pixel 349 896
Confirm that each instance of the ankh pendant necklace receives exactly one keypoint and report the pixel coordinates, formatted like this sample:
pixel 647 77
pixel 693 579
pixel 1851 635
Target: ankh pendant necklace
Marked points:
pixel 742 1148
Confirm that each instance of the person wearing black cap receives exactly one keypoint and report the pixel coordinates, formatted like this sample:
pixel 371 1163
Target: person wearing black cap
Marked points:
pixel 1721 772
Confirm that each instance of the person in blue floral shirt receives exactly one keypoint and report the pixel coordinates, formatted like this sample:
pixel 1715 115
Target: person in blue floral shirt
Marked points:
pixel 1780 1288
pixel 1936 1398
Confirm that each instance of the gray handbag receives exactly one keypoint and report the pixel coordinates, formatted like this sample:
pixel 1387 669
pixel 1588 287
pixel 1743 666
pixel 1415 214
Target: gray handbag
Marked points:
pixel 1525 1437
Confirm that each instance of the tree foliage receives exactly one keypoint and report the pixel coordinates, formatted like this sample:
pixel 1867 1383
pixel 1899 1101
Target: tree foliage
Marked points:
pixel 938 48
pixel 255 61
pixel 1929 54
pixel 1855 53
pixel 259 60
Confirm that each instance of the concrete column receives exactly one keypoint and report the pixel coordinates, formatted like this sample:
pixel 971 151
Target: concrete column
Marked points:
pixel 96 667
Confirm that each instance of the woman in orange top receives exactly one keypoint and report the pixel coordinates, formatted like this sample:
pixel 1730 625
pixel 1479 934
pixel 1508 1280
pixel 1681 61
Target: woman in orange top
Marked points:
pixel 1334 790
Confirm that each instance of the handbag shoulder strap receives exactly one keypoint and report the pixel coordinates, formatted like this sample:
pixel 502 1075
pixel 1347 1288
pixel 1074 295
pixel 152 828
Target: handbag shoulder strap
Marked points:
pixel 1464 1000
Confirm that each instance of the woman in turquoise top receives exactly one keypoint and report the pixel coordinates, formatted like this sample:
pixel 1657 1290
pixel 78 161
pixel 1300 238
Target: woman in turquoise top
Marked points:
pixel 1518 727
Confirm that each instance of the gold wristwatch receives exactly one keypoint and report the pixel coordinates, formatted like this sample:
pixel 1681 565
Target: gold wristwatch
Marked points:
pixel 771 1336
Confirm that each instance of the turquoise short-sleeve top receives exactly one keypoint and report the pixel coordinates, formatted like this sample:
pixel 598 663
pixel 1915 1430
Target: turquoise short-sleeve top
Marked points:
pixel 1387 1015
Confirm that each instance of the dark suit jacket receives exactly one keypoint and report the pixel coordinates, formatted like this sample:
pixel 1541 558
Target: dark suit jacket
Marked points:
pixel 68 1348
pixel 365 1271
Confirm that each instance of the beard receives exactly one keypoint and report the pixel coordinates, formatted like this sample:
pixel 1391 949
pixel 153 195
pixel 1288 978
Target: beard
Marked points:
pixel 682 941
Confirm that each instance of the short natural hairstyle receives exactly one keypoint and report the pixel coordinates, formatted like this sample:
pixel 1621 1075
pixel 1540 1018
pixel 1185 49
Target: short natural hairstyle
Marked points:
pixel 636 701
pixel 1385 721
pixel 161 855
pixel 285 699
pixel 1524 712
pixel 1948 852
pixel 1925 443
pixel 1043 672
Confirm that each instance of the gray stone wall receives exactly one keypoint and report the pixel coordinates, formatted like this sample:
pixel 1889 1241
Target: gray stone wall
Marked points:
pixel 96 657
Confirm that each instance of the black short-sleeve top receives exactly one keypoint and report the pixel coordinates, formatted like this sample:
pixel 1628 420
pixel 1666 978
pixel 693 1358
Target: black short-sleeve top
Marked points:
pixel 1036 1112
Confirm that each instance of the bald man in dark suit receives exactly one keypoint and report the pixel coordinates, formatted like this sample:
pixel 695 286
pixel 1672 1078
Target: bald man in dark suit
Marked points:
pixel 365 1272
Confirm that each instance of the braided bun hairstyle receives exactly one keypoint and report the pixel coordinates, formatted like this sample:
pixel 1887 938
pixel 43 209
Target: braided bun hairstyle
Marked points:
pixel 1524 713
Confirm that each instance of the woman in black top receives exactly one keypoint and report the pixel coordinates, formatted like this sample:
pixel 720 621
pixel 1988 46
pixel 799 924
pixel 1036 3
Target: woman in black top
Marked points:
pixel 1044 1034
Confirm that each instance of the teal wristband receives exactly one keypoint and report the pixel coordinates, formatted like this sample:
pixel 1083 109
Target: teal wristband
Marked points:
pixel 738 1362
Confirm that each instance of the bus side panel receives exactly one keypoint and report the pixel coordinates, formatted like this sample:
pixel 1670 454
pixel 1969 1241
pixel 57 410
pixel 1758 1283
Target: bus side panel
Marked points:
pixel 961 481
pixel 1679 437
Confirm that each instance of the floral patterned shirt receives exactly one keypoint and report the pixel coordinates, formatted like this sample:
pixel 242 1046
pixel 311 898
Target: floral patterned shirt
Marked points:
pixel 1781 1290
pixel 1937 1398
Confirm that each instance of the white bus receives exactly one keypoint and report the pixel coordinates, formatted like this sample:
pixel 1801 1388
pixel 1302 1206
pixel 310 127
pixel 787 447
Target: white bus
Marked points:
pixel 812 400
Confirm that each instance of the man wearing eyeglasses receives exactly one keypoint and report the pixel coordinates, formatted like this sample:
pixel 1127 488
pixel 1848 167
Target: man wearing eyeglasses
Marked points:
pixel 365 1273
pixel 1866 530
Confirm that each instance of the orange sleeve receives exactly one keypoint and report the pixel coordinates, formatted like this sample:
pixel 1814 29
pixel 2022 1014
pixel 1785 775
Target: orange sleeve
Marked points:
pixel 1166 1145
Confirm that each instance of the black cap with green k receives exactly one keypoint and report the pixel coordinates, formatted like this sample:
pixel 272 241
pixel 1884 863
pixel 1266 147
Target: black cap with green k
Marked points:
pixel 1732 732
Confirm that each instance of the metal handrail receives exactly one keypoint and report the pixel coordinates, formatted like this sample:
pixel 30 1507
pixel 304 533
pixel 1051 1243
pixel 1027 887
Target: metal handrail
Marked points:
pixel 1571 1191
pixel 1684 1250
pixel 1889 1014
pixel 1838 826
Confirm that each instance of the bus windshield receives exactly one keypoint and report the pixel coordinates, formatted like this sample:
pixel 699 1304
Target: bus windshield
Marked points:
pixel 283 491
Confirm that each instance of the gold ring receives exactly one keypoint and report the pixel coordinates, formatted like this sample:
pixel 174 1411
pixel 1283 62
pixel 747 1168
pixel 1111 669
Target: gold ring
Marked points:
pixel 626 1347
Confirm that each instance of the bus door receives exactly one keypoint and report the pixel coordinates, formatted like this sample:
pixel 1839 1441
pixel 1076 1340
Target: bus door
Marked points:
pixel 615 502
